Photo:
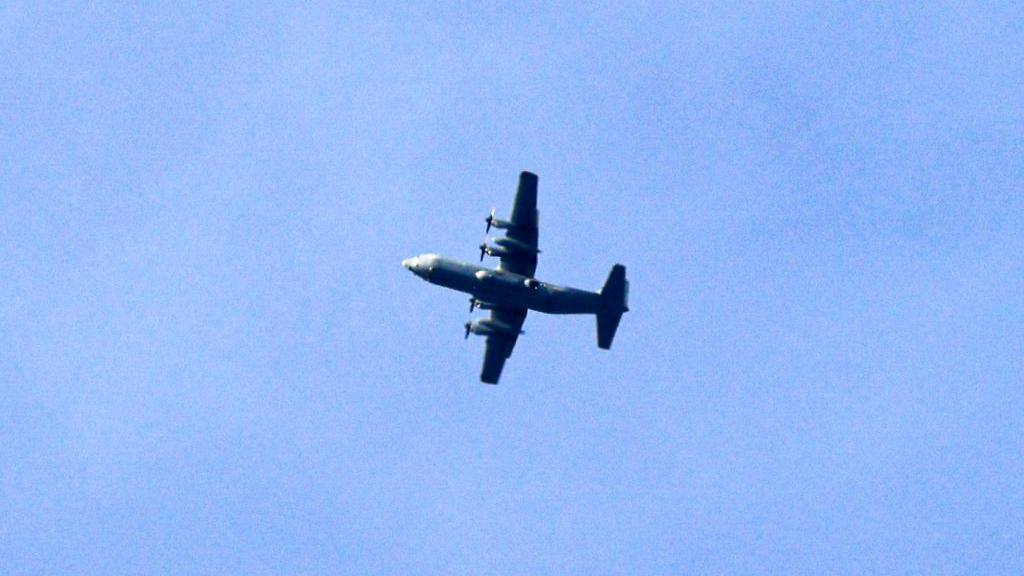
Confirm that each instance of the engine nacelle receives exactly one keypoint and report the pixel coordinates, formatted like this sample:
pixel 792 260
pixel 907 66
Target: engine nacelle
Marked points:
pixel 498 251
pixel 487 327
pixel 515 245
pixel 481 305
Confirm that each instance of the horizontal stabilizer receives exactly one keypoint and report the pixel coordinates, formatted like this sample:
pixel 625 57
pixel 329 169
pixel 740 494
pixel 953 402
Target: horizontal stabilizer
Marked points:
pixel 607 324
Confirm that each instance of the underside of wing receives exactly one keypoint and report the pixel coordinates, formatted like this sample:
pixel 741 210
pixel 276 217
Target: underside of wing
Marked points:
pixel 523 229
pixel 494 359
pixel 499 346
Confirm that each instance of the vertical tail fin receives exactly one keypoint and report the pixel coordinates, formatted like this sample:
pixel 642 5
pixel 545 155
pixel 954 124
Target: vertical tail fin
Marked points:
pixel 614 302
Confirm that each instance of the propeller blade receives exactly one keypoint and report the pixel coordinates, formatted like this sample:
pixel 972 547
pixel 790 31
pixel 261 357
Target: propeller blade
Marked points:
pixel 466 337
pixel 472 304
pixel 483 249
pixel 490 221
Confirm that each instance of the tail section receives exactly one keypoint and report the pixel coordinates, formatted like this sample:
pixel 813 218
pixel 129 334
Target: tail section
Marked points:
pixel 614 302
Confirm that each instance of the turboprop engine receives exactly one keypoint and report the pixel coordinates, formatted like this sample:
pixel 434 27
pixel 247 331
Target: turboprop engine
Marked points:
pixel 506 247
pixel 516 246
pixel 486 327
pixel 489 250
pixel 474 304
pixel 495 222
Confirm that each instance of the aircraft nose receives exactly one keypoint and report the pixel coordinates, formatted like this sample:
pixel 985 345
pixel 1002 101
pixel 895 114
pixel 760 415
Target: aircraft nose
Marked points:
pixel 409 263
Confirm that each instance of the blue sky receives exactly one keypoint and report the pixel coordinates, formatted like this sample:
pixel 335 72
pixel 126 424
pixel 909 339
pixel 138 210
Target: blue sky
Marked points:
pixel 213 362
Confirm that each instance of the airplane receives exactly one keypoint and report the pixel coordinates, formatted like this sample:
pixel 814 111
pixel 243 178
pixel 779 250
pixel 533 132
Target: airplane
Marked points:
pixel 510 290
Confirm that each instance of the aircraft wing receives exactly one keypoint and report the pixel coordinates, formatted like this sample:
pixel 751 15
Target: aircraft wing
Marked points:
pixel 524 228
pixel 499 346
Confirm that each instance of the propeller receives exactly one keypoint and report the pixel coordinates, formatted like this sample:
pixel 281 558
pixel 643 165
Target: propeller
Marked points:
pixel 490 222
pixel 472 305
pixel 483 250
pixel 468 326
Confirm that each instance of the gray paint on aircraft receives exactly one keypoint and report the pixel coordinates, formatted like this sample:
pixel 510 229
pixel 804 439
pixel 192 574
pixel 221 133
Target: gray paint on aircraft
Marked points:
pixel 511 290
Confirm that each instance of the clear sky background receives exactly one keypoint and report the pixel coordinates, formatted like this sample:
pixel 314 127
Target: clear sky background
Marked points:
pixel 212 361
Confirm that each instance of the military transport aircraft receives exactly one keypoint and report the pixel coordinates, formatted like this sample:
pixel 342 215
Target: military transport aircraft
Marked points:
pixel 510 290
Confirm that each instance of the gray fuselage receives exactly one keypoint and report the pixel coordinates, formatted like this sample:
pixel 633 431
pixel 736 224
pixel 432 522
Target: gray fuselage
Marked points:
pixel 500 288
